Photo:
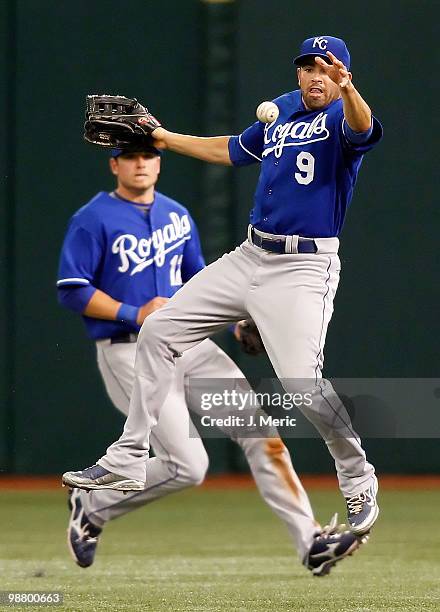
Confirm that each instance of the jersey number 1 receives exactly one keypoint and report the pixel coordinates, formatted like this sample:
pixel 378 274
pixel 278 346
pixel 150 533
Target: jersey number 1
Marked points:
pixel 305 163
pixel 175 271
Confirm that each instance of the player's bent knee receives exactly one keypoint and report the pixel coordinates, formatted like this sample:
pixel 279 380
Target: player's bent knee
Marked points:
pixel 155 333
pixel 151 328
pixel 194 472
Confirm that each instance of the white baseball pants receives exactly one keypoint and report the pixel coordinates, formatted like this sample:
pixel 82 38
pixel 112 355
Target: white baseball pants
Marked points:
pixel 290 297
pixel 181 460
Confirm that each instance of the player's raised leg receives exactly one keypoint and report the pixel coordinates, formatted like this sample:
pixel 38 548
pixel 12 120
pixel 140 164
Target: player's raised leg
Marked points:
pixel 220 290
pixel 305 289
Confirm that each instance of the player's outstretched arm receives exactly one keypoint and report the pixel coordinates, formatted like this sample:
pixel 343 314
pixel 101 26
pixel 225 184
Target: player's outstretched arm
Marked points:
pixel 357 113
pixel 211 149
pixel 115 121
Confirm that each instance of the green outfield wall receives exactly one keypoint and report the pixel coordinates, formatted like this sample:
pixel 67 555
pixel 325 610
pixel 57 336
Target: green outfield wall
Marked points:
pixel 54 413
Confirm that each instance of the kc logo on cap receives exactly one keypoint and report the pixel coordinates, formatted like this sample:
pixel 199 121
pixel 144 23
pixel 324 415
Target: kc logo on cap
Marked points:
pixel 319 45
pixel 320 42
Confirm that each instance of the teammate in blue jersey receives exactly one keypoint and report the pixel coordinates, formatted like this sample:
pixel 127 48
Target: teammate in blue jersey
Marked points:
pixel 285 275
pixel 124 255
pixel 144 265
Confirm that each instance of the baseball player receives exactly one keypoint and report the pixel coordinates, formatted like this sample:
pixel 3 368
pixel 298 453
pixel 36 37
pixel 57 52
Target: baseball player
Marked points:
pixel 125 254
pixel 285 275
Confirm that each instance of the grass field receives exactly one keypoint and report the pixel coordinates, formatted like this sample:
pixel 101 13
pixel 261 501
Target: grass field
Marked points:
pixel 221 550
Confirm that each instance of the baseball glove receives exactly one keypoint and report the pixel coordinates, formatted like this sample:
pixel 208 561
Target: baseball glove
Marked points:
pixel 249 338
pixel 118 122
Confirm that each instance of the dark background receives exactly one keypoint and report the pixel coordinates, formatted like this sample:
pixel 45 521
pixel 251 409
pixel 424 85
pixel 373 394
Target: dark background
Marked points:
pixel 203 68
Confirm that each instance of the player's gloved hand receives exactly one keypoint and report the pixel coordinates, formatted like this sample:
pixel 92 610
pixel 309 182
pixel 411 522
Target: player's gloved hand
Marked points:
pixel 117 122
pixel 150 307
pixel 249 337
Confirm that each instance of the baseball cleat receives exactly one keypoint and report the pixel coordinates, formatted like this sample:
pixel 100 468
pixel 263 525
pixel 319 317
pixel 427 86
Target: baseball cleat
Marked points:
pixel 362 510
pixel 82 535
pixel 330 546
pixel 97 477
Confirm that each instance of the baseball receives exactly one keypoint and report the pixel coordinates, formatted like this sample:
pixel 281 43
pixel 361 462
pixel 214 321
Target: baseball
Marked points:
pixel 267 112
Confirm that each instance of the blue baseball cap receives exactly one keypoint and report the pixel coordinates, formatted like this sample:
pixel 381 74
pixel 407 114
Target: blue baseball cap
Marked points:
pixel 135 149
pixel 319 45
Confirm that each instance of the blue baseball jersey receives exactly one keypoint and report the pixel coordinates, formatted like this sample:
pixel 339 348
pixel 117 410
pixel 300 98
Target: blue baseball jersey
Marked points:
pixel 132 256
pixel 308 168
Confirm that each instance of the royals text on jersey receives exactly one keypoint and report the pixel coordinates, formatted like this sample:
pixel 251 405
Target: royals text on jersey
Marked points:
pixel 131 255
pixel 308 168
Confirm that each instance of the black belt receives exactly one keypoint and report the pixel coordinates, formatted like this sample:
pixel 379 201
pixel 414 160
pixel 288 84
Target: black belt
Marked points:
pixel 278 245
pixel 124 338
